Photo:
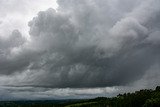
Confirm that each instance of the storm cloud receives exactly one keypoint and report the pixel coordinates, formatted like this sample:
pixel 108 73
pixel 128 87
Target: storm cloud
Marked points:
pixel 84 44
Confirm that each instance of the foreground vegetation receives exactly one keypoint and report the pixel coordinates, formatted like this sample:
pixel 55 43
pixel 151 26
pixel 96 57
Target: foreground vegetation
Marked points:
pixel 142 98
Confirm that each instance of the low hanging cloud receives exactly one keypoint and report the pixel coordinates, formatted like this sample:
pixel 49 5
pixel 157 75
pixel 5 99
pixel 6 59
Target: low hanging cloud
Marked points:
pixel 85 43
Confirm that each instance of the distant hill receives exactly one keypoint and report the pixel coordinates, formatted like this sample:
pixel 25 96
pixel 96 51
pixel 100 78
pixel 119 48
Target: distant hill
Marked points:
pixel 142 98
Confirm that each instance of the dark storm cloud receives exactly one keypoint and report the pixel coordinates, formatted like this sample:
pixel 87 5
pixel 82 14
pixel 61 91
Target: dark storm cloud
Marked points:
pixel 14 40
pixel 7 45
pixel 87 44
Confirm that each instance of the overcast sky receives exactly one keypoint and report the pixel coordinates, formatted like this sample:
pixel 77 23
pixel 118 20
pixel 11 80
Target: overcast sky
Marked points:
pixel 78 48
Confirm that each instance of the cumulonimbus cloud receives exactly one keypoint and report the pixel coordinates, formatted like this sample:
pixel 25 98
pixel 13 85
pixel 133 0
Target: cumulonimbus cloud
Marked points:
pixel 88 44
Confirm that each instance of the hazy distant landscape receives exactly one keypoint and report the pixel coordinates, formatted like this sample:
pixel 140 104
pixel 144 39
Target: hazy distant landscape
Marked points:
pixel 142 98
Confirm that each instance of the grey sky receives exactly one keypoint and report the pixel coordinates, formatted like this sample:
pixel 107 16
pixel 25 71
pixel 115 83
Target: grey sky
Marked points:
pixel 106 47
